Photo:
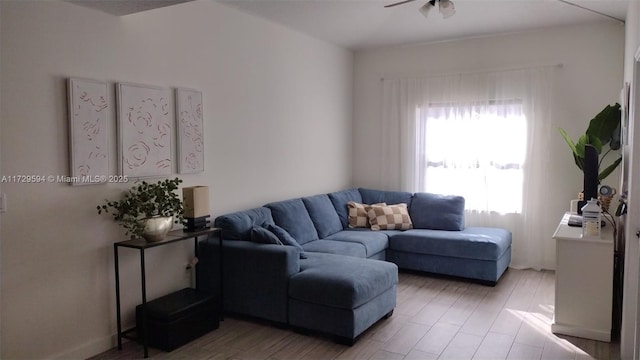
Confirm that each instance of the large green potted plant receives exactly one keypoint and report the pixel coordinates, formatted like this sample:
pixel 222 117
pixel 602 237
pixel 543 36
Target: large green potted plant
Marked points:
pixel 148 210
pixel 603 133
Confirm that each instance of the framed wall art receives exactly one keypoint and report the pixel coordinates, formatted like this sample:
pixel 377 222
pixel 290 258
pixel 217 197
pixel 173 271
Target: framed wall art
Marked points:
pixel 145 119
pixel 88 131
pixel 189 122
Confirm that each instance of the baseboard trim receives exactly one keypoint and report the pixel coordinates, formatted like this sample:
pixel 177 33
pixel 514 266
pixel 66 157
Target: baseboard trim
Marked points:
pixel 571 330
pixel 89 349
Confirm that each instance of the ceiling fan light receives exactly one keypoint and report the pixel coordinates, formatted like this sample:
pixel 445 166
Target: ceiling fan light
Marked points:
pixel 447 9
pixel 426 8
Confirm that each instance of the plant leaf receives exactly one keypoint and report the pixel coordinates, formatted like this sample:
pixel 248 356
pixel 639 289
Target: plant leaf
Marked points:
pixel 606 172
pixel 596 143
pixel 603 125
pixel 568 140
pixel 579 161
pixel 582 141
pixel 615 143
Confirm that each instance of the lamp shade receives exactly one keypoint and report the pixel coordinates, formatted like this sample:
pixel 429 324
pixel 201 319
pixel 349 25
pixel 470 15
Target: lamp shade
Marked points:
pixel 446 8
pixel 196 201
pixel 426 9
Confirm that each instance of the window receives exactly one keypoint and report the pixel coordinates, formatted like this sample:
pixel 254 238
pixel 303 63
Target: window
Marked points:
pixel 474 150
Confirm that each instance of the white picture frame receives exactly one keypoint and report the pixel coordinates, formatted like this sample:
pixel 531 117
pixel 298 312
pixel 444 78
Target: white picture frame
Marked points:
pixel 89 130
pixel 145 130
pixel 190 130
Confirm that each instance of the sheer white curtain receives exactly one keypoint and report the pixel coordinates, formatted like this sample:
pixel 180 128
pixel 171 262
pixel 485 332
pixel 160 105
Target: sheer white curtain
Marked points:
pixel 480 135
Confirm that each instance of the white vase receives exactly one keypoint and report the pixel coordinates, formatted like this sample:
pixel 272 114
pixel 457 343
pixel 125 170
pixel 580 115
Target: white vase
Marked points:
pixel 156 227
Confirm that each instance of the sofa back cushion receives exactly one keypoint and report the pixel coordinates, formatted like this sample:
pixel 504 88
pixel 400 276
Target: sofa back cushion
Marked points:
pixel 339 199
pixel 293 216
pixel 285 238
pixel 370 196
pixel 238 225
pixel 323 215
pixel 437 212
pixel 264 236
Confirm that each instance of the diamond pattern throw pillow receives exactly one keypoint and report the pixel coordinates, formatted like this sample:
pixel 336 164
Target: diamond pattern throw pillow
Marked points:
pixel 391 217
pixel 358 217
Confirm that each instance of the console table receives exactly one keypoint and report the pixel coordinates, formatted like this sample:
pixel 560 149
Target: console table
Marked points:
pixel 141 245
pixel 584 283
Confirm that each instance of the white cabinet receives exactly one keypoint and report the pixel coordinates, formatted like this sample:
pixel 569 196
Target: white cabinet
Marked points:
pixel 584 283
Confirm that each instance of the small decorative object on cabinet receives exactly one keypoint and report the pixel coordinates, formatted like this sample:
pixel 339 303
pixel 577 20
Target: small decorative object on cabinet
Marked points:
pixel 584 283
pixel 148 209
pixel 179 317
pixel 591 219
pixel 196 207
pixel 156 227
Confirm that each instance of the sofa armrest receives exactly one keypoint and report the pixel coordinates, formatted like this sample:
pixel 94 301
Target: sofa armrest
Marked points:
pixel 256 276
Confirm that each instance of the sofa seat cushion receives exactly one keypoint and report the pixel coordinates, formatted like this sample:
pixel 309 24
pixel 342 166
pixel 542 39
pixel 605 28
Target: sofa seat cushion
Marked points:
pixel 373 241
pixel 323 215
pixel 238 225
pixel 341 281
pixel 293 216
pixel 336 247
pixel 339 199
pixel 481 243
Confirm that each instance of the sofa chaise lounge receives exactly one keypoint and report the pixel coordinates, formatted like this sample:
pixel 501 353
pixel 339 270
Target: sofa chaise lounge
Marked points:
pixel 340 280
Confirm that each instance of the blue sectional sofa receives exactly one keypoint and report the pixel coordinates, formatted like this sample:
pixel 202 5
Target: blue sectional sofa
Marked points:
pixel 338 280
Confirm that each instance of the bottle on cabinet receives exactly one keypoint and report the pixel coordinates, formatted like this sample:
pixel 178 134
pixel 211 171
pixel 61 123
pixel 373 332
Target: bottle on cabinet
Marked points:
pixel 591 219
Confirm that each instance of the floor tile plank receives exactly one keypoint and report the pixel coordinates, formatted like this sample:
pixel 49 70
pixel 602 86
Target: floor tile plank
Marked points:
pixel 435 318
pixel 405 339
pixel 494 346
pixel 461 347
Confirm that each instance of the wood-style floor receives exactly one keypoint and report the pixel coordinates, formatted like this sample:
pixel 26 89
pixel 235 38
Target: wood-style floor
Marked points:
pixel 434 319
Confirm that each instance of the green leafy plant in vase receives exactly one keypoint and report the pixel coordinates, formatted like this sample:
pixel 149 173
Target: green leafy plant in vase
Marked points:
pixel 604 129
pixel 603 134
pixel 147 210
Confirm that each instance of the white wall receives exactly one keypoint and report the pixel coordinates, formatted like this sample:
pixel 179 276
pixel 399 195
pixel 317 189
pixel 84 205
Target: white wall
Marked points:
pixel 277 110
pixel 590 78
pixel 629 337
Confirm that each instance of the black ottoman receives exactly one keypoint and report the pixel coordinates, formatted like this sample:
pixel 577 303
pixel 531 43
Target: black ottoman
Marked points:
pixel 175 319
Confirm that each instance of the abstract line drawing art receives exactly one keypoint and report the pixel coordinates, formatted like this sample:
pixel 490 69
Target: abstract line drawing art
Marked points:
pixel 88 131
pixel 145 122
pixel 190 131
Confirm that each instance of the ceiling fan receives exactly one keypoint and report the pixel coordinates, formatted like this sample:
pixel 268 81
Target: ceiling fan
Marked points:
pixel 445 7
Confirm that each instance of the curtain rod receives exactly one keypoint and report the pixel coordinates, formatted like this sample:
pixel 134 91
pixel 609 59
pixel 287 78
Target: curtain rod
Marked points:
pixel 527 67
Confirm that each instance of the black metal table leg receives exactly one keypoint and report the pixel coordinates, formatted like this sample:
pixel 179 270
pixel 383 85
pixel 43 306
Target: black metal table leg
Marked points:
pixel 221 305
pixel 144 305
pixel 142 329
pixel 118 316
pixel 195 252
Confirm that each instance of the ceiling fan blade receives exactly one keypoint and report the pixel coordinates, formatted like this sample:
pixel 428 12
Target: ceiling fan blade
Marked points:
pixel 399 3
